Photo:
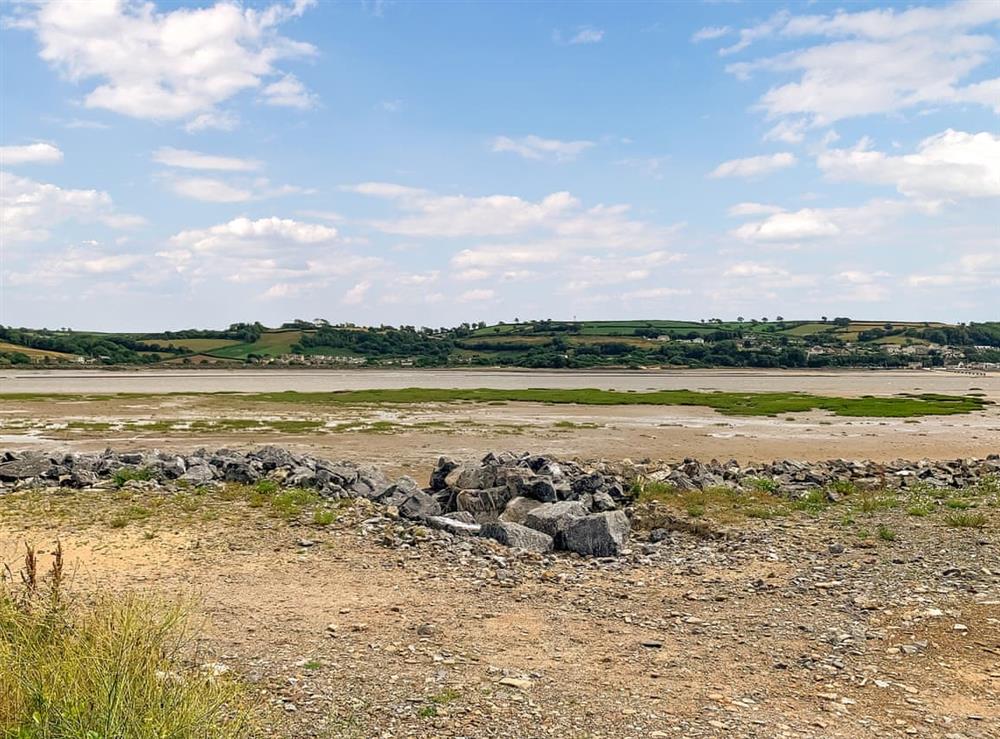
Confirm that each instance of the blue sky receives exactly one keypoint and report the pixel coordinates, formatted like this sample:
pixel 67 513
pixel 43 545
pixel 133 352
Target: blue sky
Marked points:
pixel 193 164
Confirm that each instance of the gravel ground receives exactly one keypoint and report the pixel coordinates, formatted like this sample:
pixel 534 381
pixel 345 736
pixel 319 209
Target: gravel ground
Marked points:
pixel 854 621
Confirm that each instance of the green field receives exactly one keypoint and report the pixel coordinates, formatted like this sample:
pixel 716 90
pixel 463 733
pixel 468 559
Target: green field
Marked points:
pixel 199 345
pixel 270 344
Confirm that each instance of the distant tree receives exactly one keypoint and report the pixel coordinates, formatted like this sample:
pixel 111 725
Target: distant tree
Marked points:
pixel 824 319
pixel 740 319
pixel 780 318
pixel 842 321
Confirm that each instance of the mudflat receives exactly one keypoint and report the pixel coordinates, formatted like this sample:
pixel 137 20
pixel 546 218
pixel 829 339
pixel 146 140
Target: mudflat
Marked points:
pixel 177 409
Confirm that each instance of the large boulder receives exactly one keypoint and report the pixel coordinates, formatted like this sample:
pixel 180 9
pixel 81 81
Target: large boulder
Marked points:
pixel 398 492
pixel 518 508
pixel 484 505
pixel 419 505
pixel 517 536
pixel 439 477
pixel 237 470
pixel 554 518
pixel 25 468
pixel 198 474
pixel 599 535
pixel 453 525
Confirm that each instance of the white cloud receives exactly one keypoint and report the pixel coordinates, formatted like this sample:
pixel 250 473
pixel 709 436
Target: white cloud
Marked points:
pixel 289 92
pixel 710 32
pixel 587 36
pixel 241 232
pixel 356 295
pixel 558 222
pixel 754 269
pixel 788 131
pixel 856 277
pixel 948 165
pixel 212 189
pixel 418 279
pixel 28 209
pixel 819 223
pixel 754 166
pixel 535 147
pixel 650 166
pixel 807 223
pixel 87 260
pixel 470 296
pixel 209 190
pixel 500 255
pixel 291 257
pixel 216 120
pixel 174 65
pixel 186 159
pixel 653 293
pixel 753 209
pixel 39 153
pixel 876 61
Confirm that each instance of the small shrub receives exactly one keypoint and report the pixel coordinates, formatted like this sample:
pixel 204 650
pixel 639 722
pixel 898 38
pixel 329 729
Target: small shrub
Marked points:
pixel 869 501
pixel 886 534
pixel 843 487
pixel 966 519
pixel 763 485
pixel 289 503
pixel 814 501
pixel 117 667
pixel 920 509
pixel 324 516
pixel 648 492
pixel 266 487
pixel 125 474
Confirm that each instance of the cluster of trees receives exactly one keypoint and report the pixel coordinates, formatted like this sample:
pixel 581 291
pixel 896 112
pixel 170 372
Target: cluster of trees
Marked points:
pixel 425 347
pixel 972 334
pixel 9 358
pixel 245 332
pixel 106 348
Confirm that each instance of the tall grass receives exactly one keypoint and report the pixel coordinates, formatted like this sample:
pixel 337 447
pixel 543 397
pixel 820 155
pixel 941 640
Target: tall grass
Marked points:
pixel 115 667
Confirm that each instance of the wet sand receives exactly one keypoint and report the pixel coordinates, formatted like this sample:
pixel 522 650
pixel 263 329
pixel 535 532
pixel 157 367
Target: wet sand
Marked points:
pixel 407 438
pixel 834 382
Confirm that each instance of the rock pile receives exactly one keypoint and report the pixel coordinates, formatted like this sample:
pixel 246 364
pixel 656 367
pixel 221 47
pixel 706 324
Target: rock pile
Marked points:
pixel 531 502
pixel 790 477
pixel 527 501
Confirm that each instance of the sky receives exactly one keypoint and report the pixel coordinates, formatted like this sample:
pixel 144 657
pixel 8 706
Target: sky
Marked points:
pixel 188 164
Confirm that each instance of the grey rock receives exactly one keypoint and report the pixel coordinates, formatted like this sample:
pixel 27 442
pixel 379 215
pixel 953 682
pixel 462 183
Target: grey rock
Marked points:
pixel 598 535
pixel 518 508
pixel 554 518
pixel 603 502
pixel 239 471
pixel 26 468
pixel 452 525
pixel 485 505
pixel 439 477
pixel 542 489
pixel 419 505
pixel 398 492
pixel 198 474
pixel 518 536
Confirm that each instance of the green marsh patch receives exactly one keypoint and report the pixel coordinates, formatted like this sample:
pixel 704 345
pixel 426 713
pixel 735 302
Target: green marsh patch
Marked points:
pixel 729 403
